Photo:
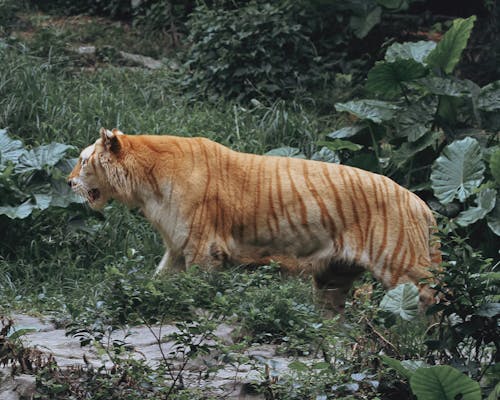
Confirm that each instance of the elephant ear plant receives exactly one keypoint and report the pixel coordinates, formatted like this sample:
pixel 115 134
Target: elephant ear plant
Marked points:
pixel 466 336
pixel 437 134
pixel 32 180
pixel 430 130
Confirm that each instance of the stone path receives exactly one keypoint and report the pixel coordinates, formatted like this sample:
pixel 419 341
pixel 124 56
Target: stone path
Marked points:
pixel 229 381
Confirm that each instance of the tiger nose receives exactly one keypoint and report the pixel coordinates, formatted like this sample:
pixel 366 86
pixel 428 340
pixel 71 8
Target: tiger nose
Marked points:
pixel 70 183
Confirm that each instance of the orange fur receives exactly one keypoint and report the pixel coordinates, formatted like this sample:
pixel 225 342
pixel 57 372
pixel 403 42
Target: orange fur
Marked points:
pixel 213 205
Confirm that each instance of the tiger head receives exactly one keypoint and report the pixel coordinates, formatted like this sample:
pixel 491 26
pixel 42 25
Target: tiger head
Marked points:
pixel 92 176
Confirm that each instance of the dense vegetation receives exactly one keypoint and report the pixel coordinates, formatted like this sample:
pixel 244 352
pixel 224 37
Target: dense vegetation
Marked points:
pixel 399 87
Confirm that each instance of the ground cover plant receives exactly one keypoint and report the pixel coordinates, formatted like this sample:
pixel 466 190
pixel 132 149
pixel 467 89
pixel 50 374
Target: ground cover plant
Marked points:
pixel 413 115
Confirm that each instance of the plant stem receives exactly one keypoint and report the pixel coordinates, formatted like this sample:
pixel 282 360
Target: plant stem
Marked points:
pixel 375 145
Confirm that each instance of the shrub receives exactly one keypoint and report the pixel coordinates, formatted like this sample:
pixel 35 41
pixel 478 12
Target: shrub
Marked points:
pixel 258 48
pixel 469 311
pixel 114 8
pixel 8 9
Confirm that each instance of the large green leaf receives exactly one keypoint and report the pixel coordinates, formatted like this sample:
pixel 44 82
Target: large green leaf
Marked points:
pixel 397 366
pixel 443 382
pixel 458 170
pixel 42 200
pixel 62 195
pixel 493 219
pixel 374 110
pixel 485 201
pixel 39 157
pixel 402 301
pixel 347 131
pixel 489 97
pixel 417 51
pixel 495 165
pixel 414 121
pixel 339 144
pixel 361 24
pixel 448 51
pixel 286 152
pixel 387 78
pixel 408 149
pixel 450 86
pixel 21 211
pixel 326 155
pixel 10 150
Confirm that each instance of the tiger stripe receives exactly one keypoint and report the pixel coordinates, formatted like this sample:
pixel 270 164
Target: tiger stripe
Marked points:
pixel 274 215
pixel 325 215
pixel 296 194
pixel 284 210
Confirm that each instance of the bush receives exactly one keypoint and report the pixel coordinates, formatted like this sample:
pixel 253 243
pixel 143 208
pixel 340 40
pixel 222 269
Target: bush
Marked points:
pixel 8 9
pixel 113 8
pixel 258 48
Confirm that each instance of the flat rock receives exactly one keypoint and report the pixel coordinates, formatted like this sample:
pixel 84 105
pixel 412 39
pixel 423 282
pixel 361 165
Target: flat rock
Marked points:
pixel 228 380
pixel 145 61
pixel 16 387
pixel 86 50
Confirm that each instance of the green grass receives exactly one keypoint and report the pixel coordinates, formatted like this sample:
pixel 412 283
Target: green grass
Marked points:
pixel 42 103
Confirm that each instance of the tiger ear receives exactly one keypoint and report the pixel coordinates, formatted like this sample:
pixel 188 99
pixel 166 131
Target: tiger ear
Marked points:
pixel 117 131
pixel 110 140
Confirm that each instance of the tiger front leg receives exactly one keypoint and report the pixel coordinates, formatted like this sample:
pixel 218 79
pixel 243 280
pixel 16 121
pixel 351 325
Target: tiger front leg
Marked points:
pixel 210 255
pixel 170 262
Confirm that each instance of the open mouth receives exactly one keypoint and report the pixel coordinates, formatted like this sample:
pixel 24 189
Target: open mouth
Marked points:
pixel 93 195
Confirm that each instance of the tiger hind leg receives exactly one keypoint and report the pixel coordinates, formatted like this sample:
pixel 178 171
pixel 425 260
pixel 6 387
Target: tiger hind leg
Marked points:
pixel 333 285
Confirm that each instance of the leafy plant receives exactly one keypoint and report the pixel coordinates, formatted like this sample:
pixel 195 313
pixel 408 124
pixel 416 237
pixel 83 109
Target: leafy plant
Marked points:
pixel 458 173
pixel 277 49
pixel 443 382
pixel 410 132
pixel 14 353
pixel 32 179
pixel 402 301
pixel 436 382
pixel 469 310
pixel 464 337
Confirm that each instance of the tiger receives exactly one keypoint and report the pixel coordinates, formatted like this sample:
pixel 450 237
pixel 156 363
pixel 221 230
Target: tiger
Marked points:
pixel 214 206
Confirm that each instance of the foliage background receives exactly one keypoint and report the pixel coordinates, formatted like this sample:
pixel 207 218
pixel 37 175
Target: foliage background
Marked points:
pixel 327 80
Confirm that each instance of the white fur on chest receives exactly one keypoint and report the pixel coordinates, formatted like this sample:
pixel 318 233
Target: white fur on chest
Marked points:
pixel 165 215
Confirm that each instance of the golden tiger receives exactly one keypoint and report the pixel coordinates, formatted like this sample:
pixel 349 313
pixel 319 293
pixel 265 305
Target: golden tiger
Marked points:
pixel 213 205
